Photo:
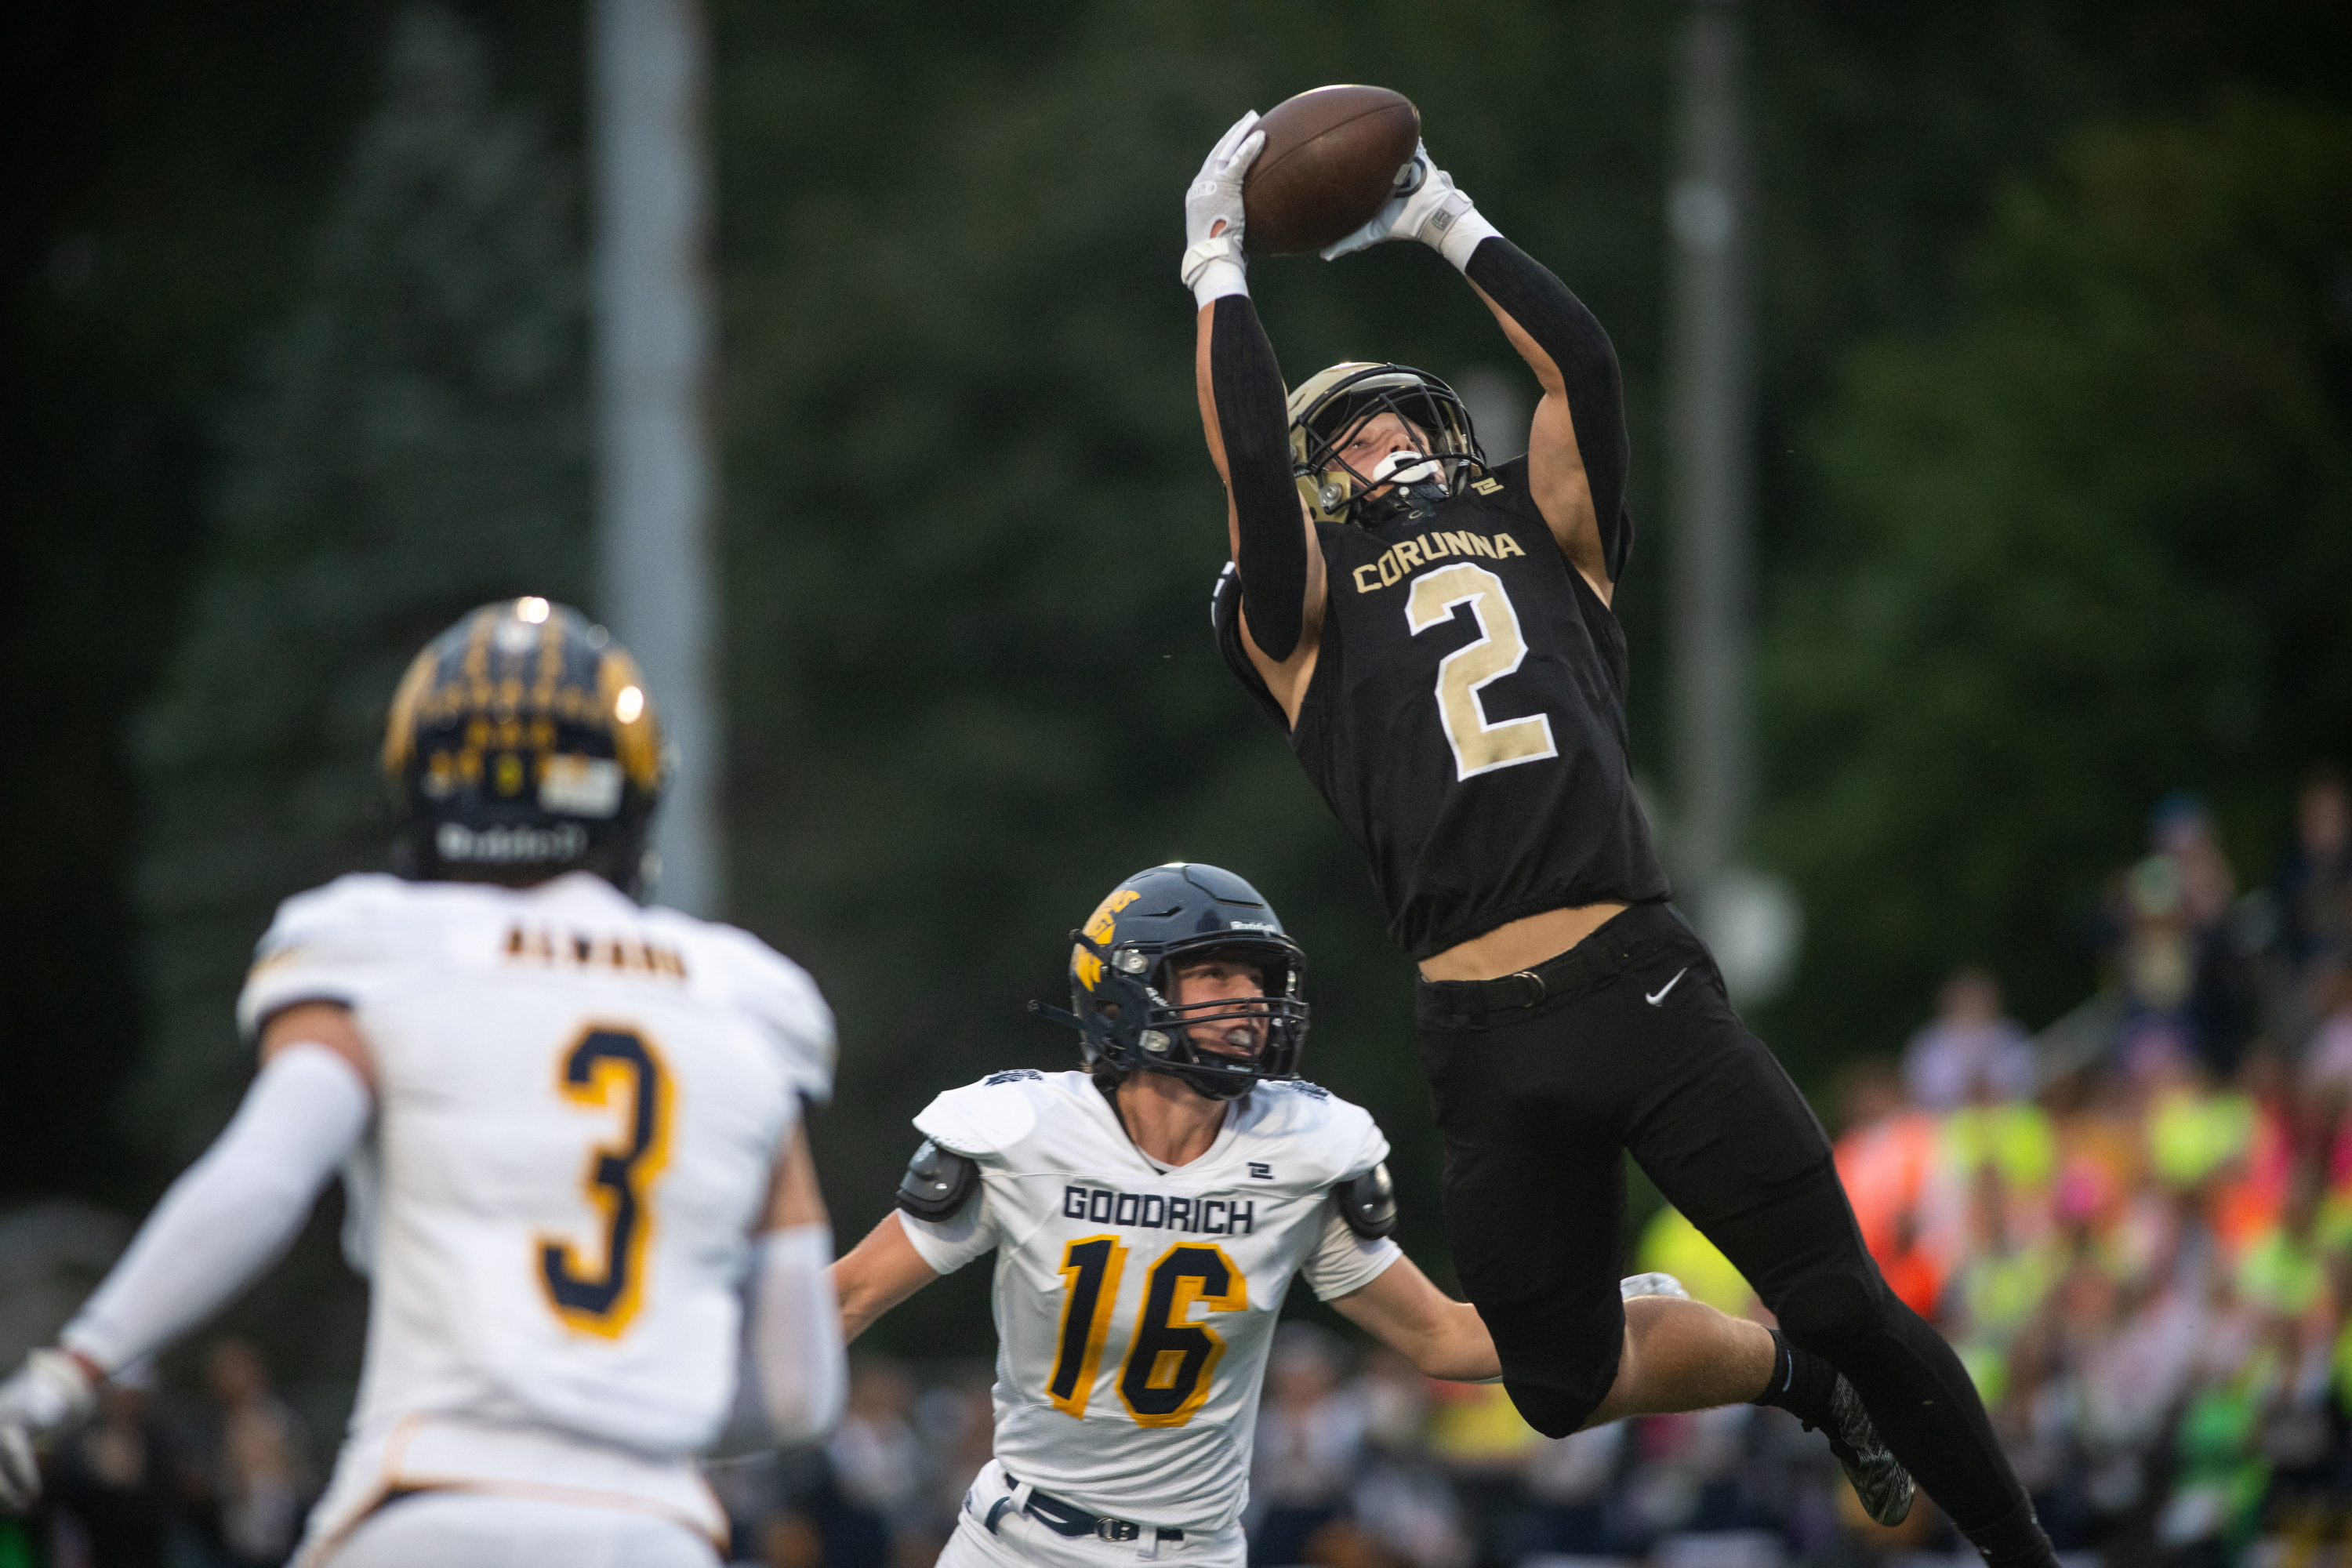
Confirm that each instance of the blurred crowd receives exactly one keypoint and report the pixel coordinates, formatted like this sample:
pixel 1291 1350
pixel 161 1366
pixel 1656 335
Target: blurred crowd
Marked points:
pixel 221 1481
pixel 2136 1227
pixel 2137 1230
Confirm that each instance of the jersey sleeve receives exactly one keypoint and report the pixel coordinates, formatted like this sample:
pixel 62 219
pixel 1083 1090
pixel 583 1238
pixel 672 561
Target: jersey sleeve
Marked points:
pixel 979 1121
pixel 965 1236
pixel 324 946
pixel 1343 1261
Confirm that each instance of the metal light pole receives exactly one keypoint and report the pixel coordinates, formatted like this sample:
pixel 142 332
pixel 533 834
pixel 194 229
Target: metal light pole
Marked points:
pixel 1708 217
pixel 1751 921
pixel 649 61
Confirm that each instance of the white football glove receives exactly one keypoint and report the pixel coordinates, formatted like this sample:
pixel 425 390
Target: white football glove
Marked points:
pixel 49 1391
pixel 1428 207
pixel 1212 263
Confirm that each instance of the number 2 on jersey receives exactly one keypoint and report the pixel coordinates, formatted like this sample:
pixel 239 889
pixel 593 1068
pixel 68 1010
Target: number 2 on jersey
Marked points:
pixel 611 1067
pixel 1478 746
pixel 1171 1359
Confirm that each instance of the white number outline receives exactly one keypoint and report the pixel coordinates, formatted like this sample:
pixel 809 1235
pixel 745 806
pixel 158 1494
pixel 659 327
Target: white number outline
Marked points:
pixel 1479 745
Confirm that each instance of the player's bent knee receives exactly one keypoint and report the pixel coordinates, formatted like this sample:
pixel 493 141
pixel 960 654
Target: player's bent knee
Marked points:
pixel 1558 1367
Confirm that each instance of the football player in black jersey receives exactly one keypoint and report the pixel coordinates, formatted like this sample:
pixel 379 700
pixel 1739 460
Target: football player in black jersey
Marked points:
pixel 1434 635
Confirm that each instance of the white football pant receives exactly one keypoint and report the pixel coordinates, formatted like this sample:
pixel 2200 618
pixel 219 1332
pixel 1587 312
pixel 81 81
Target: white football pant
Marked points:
pixel 471 1529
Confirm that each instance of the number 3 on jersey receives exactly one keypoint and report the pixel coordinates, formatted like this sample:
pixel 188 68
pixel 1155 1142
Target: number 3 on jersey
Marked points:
pixel 609 1068
pixel 1170 1358
pixel 1479 747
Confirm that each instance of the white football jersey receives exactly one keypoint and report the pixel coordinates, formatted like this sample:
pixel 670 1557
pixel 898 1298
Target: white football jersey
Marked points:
pixel 579 1105
pixel 1135 1303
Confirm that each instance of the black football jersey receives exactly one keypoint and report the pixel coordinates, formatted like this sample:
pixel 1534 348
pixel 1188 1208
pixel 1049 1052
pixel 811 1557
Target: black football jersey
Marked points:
pixel 1466 718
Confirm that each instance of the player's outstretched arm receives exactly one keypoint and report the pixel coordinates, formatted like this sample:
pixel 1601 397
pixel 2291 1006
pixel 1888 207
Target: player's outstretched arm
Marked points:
pixel 1577 447
pixel 791 1342
pixel 1245 415
pixel 1442 1337
pixel 229 1217
pixel 880 1272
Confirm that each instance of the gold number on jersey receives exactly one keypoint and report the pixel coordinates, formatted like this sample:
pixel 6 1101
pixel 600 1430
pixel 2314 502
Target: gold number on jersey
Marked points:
pixel 611 1067
pixel 1091 1271
pixel 1478 746
pixel 1169 1364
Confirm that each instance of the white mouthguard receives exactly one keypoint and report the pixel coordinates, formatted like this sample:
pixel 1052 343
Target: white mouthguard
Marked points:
pixel 1408 469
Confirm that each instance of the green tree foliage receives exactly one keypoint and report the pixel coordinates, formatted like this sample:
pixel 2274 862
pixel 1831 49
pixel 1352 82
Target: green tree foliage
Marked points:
pixel 2085 541
pixel 413 443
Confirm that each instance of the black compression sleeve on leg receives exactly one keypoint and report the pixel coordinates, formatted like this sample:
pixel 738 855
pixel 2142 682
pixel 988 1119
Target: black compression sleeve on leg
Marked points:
pixel 1253 418
pixel 1561 326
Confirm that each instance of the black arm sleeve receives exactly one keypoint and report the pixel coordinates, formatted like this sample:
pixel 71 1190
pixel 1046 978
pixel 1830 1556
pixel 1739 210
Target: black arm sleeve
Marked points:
pixel 1253 418
pixel 1561 326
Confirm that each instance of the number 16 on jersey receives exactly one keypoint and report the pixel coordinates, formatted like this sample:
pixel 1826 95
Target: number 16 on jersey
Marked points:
pixel 1170 1360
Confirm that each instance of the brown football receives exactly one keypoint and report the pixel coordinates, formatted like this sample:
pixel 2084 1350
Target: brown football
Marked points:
pixel 1331 158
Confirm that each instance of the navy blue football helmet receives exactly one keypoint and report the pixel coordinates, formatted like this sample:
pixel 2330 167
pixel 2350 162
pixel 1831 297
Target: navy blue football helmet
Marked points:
pixel 1121 977
pixel 523 744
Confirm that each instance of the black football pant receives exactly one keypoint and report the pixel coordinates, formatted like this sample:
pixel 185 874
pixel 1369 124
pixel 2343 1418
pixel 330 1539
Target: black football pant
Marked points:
pixel 1633 1048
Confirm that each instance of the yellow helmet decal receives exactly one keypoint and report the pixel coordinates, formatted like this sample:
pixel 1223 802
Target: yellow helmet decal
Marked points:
pixel 1101 928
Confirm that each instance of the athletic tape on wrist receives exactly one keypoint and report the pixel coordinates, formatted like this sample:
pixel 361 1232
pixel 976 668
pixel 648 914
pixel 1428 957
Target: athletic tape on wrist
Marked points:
pixel 1456 229
pixel 1214 268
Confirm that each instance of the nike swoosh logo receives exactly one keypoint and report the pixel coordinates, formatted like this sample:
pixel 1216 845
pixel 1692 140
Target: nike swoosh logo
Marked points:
pixel 1654 997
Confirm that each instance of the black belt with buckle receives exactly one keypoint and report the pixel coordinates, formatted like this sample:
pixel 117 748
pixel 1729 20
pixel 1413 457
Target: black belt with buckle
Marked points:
pixel 1068 1518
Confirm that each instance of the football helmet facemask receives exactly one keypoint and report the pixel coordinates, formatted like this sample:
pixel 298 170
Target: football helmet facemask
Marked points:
pixel 1122 973
pixel 522 744
pixel 1331 406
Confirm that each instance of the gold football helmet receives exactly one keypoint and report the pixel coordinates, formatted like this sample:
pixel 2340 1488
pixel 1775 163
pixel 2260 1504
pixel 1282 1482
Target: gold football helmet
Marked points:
pixel 1328 409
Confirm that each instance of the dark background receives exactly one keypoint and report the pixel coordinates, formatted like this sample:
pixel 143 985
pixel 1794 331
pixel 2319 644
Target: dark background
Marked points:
pixel 2055 325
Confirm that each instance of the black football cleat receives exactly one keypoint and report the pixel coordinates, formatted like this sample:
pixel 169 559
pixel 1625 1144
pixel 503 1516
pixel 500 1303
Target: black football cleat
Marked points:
pixel 1879 1479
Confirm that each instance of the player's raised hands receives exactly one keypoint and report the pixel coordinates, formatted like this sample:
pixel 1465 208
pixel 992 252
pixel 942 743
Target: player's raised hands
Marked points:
pixel 49 1391
pixel 1213 202
pixel 1427 206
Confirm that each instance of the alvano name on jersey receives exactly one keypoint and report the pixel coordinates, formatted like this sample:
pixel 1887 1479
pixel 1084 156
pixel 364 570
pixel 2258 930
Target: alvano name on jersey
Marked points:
pixel 1407 556
pixel 1154 1211
pixel 596 950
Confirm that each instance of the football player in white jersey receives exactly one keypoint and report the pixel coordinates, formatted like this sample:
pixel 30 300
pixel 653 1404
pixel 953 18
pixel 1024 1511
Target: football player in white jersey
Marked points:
pixel 1148 1217
pixel 570 1126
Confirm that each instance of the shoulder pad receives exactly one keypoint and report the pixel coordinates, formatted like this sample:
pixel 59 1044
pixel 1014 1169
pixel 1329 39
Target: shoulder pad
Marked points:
pixel 1368 1203
pixel 990 1117
pixel 938 1182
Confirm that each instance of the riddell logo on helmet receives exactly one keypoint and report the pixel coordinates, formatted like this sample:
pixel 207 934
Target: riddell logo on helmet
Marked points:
pixel 509 845
pixel 1255 925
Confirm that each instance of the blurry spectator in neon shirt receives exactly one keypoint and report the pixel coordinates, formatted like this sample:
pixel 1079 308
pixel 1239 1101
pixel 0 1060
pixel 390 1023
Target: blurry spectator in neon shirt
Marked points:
pixel 1970 1052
